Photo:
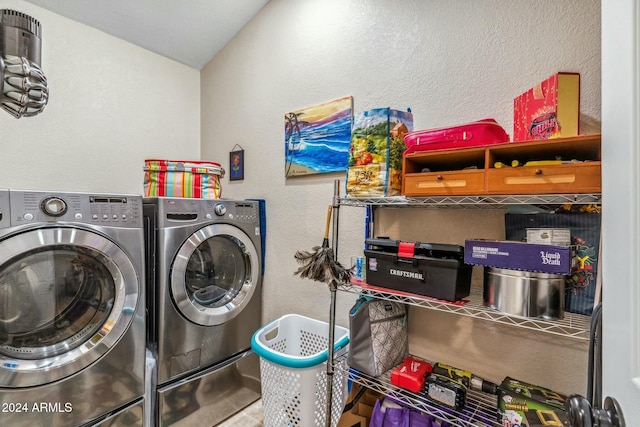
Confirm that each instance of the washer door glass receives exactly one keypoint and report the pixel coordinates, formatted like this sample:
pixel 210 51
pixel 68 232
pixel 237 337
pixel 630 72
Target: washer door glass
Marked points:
pixel 66 297
pixel 53 300
pixel 215 274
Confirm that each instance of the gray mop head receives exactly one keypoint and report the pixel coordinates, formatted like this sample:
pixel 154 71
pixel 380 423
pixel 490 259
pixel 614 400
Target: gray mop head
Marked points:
pixel 320 265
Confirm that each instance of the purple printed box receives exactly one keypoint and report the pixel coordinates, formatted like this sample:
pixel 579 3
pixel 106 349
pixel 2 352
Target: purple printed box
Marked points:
pixel 520 256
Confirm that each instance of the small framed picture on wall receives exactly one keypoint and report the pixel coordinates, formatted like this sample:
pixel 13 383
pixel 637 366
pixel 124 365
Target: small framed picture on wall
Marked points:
pixel 236 164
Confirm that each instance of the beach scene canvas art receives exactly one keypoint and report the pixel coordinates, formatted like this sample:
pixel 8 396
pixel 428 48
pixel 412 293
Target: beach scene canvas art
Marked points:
pixel 317 138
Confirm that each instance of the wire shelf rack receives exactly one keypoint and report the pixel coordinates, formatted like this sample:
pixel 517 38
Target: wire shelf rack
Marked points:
pixel 480 408
pixel 576 326
pixel 471 202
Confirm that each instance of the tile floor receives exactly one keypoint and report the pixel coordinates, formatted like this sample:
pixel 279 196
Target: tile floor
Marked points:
pixel 249 417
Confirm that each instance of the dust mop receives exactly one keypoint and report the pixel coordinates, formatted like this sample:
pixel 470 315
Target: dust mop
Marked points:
pixel 320 265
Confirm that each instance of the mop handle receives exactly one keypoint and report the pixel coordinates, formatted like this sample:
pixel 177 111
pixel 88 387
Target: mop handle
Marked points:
pixel 326 228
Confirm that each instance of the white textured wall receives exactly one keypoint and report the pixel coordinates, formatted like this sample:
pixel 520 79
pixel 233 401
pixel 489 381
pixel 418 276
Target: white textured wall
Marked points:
pixel 112 104
pixel 450 62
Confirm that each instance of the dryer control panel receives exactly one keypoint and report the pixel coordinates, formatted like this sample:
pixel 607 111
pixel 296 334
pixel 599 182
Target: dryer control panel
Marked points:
pixel 173 211
pixel 234 210
pixel 99 209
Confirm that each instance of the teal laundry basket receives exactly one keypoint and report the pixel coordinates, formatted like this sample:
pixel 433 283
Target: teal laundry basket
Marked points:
pixel 293 354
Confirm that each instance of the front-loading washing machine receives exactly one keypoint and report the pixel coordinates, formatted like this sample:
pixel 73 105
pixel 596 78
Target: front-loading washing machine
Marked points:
pixel 72 309
pixel 205 302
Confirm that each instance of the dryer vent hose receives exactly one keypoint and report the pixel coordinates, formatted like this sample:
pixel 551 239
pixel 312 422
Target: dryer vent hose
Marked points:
pixel 23 85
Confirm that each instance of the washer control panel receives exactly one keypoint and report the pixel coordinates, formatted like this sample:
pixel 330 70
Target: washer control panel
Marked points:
pixel 220 209
pixel 53 206
pixel 99 209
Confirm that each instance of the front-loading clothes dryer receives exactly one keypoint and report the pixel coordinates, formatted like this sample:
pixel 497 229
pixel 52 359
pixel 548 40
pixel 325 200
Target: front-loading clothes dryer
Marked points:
pixel 72 309
pixel 205 303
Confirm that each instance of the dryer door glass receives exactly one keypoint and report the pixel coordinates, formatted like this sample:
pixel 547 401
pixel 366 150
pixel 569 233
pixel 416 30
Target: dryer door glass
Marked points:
pixel 52 301
pixel 215 274
pixel 216 271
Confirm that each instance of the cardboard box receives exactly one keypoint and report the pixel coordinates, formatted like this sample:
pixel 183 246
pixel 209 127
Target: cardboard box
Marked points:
pixel 362 408
pixel 350 420
pixel 550 259
pixel 370 397
pixel 549 236
pixel 521 403
pixel 550 109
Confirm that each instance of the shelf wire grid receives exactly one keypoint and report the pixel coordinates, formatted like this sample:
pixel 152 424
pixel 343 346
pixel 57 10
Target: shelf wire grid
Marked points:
pixel 573 325
pixel 480 408
pixel 472 202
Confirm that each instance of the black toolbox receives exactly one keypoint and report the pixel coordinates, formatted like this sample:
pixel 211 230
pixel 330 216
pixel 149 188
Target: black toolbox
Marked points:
pixel 431 269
